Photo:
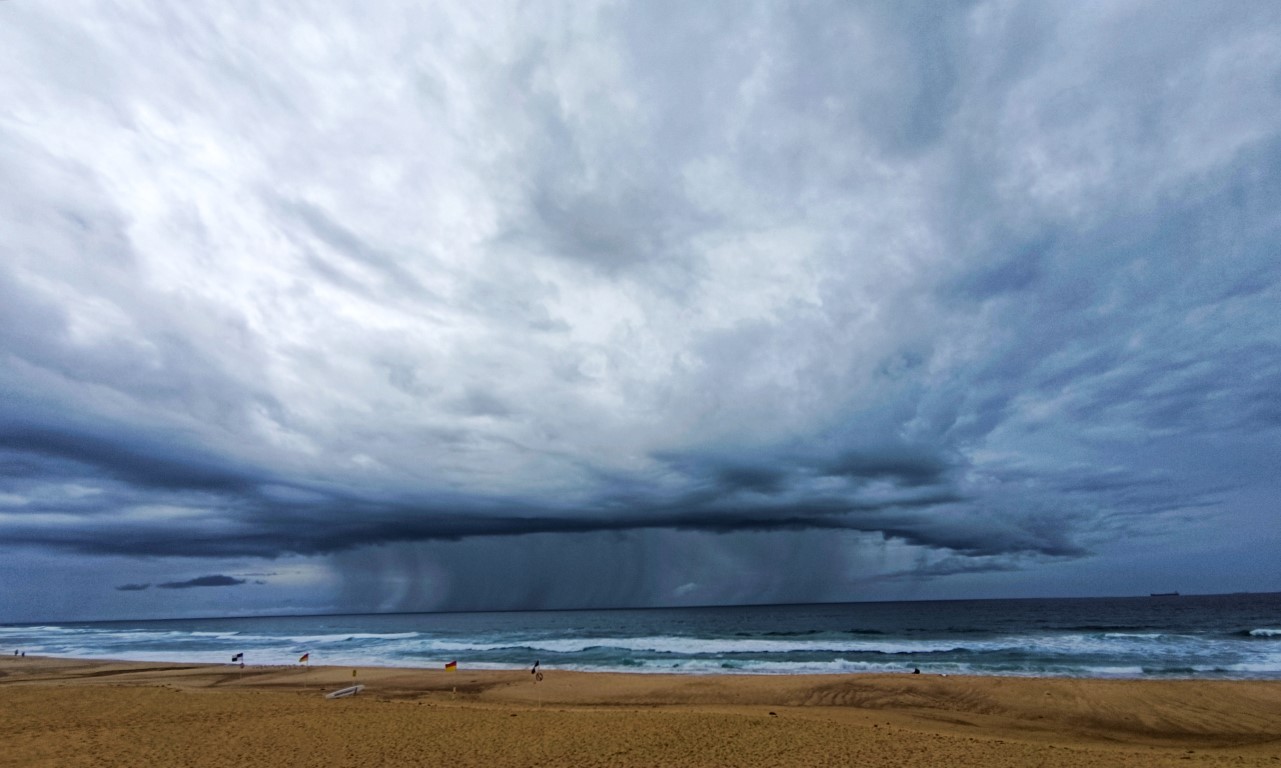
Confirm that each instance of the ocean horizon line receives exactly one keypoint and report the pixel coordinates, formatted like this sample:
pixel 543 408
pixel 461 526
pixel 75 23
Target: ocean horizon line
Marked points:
pixel 588 609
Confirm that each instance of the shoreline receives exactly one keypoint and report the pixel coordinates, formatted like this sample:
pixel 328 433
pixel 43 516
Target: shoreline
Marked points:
pixel 621 718
pixel 905 669
pixel 1270 677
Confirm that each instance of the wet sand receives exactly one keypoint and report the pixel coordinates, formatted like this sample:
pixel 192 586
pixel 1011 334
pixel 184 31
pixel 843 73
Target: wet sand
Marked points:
pixel 99 713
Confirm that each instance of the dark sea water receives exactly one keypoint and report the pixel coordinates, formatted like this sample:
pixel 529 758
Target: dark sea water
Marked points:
pixel 1219 636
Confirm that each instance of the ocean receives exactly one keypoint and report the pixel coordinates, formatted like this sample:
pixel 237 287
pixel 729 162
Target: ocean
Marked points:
pixel 1213 636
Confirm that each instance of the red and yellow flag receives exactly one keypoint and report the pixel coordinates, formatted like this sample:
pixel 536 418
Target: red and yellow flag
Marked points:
pixel 452 666
pixel 303 658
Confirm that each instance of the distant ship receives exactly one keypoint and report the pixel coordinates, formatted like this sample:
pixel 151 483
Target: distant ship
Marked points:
pixel 1164 594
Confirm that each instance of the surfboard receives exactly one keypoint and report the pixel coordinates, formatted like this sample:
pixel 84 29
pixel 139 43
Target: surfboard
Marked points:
pixel 351 691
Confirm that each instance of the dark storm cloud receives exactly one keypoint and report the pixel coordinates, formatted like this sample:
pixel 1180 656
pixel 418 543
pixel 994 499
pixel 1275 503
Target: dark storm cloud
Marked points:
pixel 217 580
pixel 952 566
pixel 976 287
pixel 901 467
pixel 255 525
pixel 142 461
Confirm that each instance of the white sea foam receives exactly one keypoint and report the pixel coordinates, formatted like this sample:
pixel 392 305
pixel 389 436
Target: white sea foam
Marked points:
pixel 640 642
pixel 714 667
pixel 1072 644
pixel 1269 668
pixel 42 630
pixel 685 646
pixel 1135 635
pixel 343 637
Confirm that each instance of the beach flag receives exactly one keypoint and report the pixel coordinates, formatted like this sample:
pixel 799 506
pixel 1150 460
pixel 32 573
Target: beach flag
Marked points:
pixel 452 666
pixel 237 657
pixel 303 659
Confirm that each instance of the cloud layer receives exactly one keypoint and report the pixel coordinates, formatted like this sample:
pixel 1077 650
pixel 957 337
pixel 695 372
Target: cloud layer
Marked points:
pixel 995 283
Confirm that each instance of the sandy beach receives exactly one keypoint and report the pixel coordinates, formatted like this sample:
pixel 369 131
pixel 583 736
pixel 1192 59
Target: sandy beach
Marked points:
pixel 57 712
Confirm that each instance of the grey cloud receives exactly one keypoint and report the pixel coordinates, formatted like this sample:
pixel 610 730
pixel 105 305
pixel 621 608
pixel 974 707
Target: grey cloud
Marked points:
pixel 142 461
pixel 133 587
pixel 903 467
pixel 395 277
pixel 951 566
pixel 1020 272
pixel 203 581
pixel 757 479
pixel 960 280
pixel 478 402
pixel 891 75
pixel 270 529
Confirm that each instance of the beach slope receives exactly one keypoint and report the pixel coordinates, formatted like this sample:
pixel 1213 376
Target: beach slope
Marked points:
pixel 101 713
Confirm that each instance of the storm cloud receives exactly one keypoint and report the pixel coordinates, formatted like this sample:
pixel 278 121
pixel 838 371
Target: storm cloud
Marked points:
pixel 968 300
pixel 217 580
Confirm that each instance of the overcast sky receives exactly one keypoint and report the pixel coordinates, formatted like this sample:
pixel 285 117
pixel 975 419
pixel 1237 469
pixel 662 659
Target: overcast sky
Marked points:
pixel 376 306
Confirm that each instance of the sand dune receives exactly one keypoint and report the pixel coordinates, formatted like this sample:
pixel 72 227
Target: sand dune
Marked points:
pixel 94 713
